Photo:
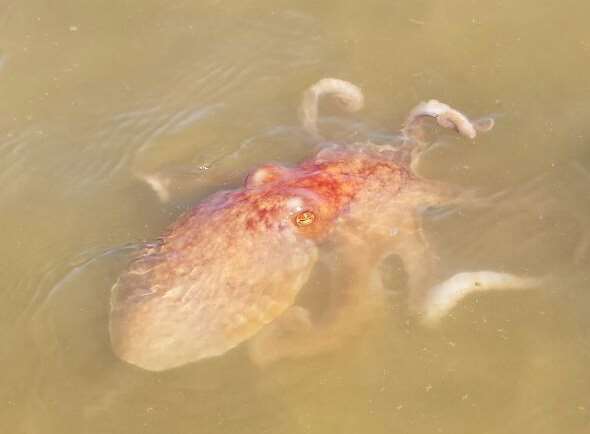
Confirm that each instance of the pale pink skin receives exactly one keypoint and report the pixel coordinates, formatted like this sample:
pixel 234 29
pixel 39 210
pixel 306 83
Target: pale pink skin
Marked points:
pixel 229 270
pixel 236 262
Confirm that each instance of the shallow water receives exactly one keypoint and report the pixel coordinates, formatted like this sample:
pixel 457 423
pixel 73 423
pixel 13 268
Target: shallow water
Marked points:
pixel 91 89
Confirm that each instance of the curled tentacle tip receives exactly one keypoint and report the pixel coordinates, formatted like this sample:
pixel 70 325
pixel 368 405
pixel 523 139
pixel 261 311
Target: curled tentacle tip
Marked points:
pixel 448 117
pixel 349 96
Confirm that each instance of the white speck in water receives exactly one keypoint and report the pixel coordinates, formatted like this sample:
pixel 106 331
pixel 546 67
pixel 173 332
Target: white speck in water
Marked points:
pixel 73 28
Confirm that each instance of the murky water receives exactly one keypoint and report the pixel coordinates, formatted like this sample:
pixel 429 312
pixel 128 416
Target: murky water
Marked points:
pixel 90 89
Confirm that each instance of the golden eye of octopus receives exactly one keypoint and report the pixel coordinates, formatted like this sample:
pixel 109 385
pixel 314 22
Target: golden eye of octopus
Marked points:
pixel 304 218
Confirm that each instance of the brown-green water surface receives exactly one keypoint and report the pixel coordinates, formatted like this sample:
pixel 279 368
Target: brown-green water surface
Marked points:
pixel 90 88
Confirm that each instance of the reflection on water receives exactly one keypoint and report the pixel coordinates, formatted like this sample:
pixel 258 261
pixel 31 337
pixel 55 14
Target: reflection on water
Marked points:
pixel 87 87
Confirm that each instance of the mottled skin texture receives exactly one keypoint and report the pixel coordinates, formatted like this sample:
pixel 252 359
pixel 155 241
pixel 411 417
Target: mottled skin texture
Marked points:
pixel 236 261
pixel 230 269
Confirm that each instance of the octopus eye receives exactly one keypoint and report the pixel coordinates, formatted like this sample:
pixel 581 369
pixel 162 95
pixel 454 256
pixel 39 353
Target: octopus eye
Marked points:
pixel 304 218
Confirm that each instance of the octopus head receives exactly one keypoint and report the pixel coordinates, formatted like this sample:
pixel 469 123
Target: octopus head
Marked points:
pixel 295 210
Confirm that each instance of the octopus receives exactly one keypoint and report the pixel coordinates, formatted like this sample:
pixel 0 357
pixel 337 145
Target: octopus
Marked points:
pixel 229 270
